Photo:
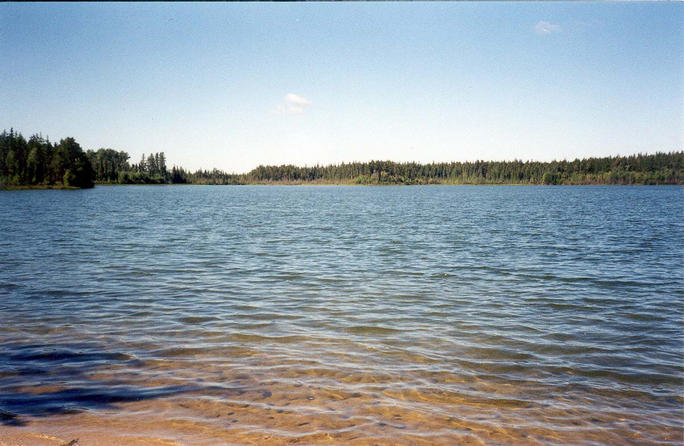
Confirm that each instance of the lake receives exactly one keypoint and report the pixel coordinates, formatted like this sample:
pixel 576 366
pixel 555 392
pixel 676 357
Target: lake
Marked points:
pixel 206 315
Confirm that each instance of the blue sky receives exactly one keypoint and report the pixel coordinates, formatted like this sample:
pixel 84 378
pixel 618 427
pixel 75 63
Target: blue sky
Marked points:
pixel 235 85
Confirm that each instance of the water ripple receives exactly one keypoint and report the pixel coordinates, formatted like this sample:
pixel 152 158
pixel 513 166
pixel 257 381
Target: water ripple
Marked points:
pixel 421 315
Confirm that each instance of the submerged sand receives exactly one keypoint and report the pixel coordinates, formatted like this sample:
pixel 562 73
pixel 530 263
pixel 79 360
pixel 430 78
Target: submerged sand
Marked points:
pixel 289 415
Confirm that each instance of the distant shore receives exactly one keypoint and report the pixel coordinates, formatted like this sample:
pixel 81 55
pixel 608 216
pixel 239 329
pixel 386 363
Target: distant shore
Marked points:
pixel 38 187
pixel 37 163
pixel 284 183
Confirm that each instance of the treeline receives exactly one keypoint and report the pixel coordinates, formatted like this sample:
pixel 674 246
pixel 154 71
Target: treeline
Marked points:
pixel 112 167
pixel 660 168
pixel 40 163
pixel 37 161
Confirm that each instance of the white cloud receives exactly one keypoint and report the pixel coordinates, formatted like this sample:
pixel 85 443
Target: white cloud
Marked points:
pixel 292 105
pixel 544 28
pixel 292 98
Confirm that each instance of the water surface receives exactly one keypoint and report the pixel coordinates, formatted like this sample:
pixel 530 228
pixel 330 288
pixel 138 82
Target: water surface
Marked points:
pixel 357 315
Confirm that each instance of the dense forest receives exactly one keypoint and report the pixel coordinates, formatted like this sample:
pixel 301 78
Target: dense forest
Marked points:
pixel 37 162
pixel 661 168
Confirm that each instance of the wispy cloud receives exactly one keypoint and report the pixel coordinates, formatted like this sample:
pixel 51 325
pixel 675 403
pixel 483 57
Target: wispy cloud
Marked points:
pixel 544 28
pixel 292 105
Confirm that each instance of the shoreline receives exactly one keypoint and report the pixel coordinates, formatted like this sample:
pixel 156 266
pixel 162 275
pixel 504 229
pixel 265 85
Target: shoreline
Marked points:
pixel 61 187
pixel 39 187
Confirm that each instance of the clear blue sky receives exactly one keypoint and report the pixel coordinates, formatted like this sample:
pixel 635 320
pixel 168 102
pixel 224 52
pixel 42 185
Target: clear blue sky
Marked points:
pixel 234 85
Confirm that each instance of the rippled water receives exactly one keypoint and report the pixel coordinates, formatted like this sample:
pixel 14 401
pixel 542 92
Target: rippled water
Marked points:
pixel 356 315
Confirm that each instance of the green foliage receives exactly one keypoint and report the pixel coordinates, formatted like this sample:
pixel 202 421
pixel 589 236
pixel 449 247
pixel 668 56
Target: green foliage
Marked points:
pixel 107 164
pixel 550 178
pixel 215 177
pixel 179 176
pixel 660 168
pixel 69 178
pixel 39 162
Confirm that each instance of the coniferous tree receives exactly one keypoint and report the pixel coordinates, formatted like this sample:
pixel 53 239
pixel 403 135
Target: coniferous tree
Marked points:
pixel 39 162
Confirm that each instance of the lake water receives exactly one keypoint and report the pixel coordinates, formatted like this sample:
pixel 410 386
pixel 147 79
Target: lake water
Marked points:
pixel 344 315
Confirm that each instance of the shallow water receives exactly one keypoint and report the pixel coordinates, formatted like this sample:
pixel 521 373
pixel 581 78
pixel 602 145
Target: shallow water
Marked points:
pixel 357 315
